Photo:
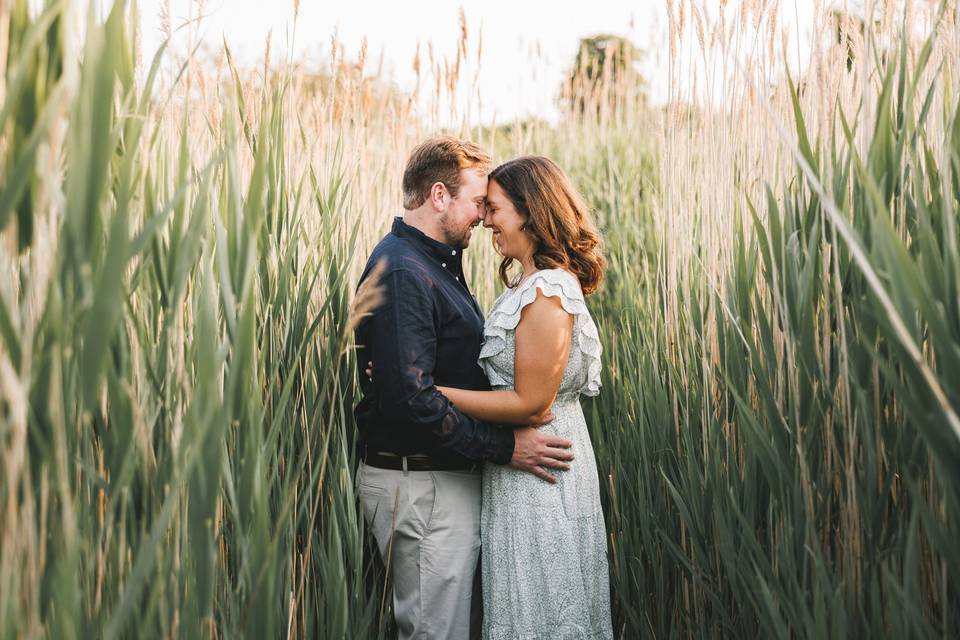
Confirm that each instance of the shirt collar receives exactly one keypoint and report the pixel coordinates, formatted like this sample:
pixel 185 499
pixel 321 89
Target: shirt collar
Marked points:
pixel 447 256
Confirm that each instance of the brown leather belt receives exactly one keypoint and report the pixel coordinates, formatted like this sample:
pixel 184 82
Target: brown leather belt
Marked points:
pixel 417 462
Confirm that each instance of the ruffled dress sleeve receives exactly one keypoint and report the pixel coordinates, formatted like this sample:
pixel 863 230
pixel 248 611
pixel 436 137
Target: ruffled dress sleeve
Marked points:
pixel 505 316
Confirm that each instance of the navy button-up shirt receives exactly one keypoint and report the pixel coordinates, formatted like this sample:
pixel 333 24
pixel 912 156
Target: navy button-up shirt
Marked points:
pixel 427 332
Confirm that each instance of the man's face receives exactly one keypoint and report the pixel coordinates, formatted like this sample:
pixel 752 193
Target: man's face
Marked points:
pixel 465 211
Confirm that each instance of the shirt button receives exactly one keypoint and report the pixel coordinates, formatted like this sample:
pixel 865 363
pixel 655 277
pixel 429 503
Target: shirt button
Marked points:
pixel 454 252
pixel 443 264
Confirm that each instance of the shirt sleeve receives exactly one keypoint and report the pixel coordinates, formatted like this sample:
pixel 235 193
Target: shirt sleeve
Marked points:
pixel 402 340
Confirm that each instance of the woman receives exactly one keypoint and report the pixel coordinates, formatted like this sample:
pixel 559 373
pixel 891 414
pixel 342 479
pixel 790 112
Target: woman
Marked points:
pixel 544 562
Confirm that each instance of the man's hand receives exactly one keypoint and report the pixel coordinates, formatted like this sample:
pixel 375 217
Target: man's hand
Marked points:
pixel 534 450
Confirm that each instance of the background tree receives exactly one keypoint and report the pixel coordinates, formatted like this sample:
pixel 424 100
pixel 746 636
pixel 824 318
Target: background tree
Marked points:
pixel 604 76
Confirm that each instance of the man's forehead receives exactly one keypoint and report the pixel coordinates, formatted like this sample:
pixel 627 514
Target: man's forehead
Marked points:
pixel 475 178
pixel 471 173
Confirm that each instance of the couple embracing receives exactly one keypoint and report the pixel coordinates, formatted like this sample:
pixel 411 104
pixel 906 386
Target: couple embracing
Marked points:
pixel 471 430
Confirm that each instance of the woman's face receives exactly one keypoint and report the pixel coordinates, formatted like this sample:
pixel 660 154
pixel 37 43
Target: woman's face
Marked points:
pixel 502 218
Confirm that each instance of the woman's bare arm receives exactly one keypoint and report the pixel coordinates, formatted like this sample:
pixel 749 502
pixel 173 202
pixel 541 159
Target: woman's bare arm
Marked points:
pixel 542 347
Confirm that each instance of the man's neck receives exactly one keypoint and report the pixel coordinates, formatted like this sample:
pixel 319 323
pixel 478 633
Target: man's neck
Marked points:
pixel 425 222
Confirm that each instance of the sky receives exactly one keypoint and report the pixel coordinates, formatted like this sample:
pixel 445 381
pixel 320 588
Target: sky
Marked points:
pixel 527 45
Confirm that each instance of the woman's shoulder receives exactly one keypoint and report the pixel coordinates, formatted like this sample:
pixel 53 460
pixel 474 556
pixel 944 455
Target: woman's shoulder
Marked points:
pixel 569 282
pixel 559 284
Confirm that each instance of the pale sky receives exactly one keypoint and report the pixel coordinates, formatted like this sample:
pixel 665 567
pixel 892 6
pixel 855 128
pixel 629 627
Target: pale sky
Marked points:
pixel 527 44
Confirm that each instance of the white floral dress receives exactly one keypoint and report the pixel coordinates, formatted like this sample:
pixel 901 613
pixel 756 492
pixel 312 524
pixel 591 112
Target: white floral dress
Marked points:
pixel 544 560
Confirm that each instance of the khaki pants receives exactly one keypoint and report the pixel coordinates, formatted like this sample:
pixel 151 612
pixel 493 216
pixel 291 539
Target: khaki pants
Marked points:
pixel 427 527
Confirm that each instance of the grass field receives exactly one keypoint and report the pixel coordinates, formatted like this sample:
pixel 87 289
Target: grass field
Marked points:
pixel 778 430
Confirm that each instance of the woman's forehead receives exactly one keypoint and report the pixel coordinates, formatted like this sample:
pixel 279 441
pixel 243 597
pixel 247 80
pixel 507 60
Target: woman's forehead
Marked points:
pixel 494 192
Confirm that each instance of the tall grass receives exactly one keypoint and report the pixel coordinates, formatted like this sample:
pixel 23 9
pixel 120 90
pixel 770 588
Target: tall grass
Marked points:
pixel 781 437
pixel 781 323
pixel 176 372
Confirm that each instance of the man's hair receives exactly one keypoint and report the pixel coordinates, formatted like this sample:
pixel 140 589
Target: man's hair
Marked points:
pixel 440 160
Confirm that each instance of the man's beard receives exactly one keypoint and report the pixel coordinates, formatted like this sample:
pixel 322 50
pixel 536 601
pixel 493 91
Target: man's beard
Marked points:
pixel 458 239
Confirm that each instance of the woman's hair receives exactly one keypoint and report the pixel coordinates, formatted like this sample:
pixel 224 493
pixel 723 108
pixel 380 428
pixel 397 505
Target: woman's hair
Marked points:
pixel 556 216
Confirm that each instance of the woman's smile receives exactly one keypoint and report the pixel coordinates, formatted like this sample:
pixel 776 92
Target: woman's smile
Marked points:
pixel 505 223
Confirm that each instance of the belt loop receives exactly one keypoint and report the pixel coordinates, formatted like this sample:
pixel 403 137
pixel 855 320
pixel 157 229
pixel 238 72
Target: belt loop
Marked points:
pixel 405 471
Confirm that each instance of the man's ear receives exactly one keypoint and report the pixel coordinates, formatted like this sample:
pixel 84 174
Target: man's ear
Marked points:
pixel 439 196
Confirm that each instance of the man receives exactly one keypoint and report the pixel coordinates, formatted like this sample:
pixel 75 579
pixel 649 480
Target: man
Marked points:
pixel 420 473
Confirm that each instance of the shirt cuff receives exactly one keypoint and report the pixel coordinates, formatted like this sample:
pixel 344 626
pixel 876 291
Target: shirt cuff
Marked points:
pixel 504 442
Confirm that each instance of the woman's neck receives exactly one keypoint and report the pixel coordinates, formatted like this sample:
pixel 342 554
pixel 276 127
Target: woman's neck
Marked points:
pixel 528 268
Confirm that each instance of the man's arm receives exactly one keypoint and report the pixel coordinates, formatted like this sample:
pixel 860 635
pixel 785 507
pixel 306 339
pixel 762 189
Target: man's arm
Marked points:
pixel 402 341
